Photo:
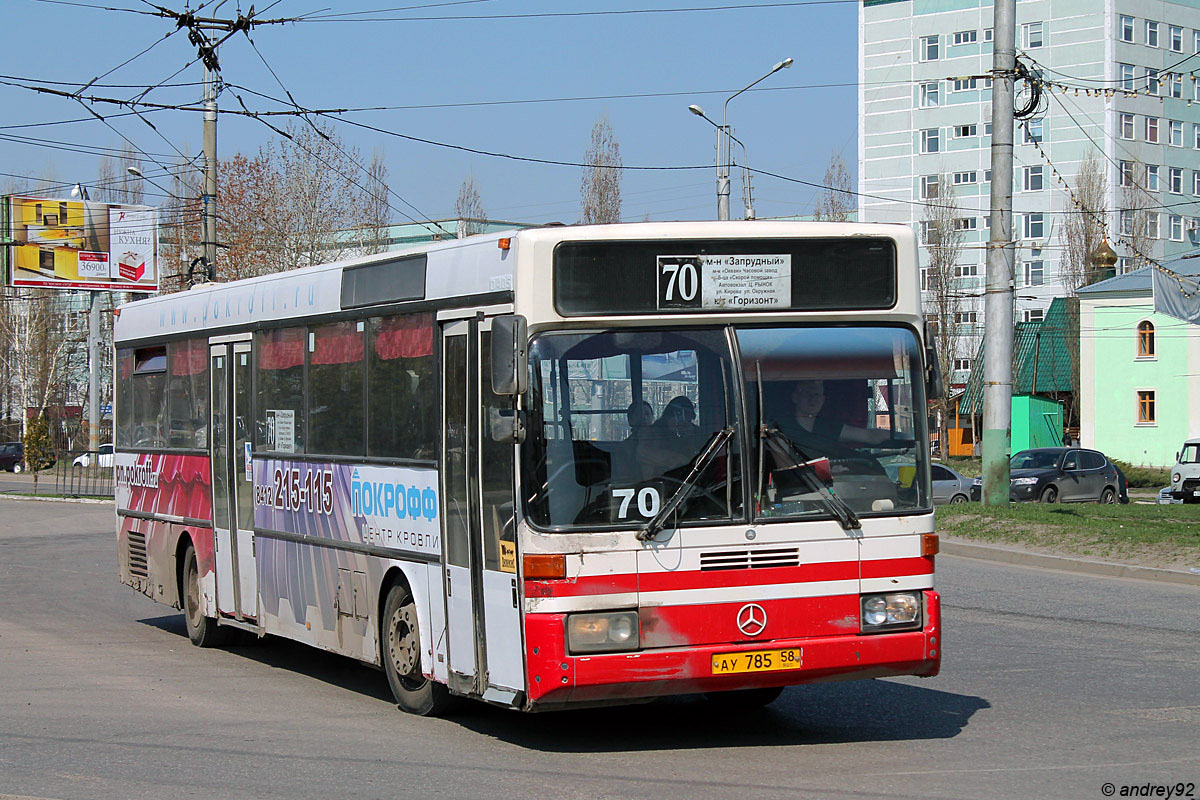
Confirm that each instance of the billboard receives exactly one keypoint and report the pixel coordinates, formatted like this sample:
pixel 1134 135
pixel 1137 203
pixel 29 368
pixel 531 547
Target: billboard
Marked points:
pixel 81 244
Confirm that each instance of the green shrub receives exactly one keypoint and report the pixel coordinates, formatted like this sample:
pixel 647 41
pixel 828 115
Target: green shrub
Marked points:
pixel 1144 477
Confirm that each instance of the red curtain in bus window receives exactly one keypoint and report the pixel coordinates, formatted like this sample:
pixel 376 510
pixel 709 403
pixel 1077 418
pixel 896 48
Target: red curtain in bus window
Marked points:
pixel 189 357
pixel 409 336
pixel 125 363
pixel 337 343
pixel 282 349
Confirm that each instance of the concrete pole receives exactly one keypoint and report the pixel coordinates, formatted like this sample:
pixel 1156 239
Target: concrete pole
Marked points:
pixel 998 308
pixel 93 347
pixel 209 205
pixel 723 172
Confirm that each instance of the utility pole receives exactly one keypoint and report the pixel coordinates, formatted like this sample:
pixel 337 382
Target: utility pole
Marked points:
pixel 998 307
pixel 209 204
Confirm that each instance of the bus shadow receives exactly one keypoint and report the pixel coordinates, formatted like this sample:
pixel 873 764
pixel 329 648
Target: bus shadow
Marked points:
pixel 822 713
pixel 302 659
pixel 826 713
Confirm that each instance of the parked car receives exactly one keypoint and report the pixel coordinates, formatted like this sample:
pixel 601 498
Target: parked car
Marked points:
pixel 1063 475
pixel 1166 497
pixel 12 456
pixel 104 457
pixel 1185 475
pixel 949 486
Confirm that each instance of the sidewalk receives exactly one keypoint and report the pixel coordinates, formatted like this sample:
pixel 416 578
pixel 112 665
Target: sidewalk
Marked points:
pixel 1025 558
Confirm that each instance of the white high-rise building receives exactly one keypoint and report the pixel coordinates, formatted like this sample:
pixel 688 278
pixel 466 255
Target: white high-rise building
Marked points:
pixel 1123 87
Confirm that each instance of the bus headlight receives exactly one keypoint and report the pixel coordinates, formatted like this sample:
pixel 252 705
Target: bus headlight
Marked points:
pixel 602 633
pixel 890 611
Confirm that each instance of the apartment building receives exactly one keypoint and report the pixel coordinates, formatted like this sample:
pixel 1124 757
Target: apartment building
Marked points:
pixel 1122 85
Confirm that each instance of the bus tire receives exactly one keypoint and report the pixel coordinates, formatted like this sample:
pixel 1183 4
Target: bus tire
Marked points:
pixel 401 645
pixel 203 631
pixel 744 699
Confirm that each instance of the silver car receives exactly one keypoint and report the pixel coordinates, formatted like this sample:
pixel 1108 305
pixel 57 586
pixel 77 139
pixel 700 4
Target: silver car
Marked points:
pixel 949 486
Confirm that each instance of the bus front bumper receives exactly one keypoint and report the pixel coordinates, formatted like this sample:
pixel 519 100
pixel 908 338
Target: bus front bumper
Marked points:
pixel 556 678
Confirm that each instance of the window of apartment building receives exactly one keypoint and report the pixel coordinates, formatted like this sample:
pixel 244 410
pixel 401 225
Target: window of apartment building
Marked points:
pixel 929 232
pixel 930 140
pixel 1175 227
pixel 1126 223
pixel 1145 407
pixel 1152 81
pixel 966 37
pixel 1151 33
pixel 1125 264
pixel 966 271
pixel 1175 133
pixel 1196 41
pixel 930 94
pixel 924 279
pixel 1035 225
pixel 929 187
pixel 966 223
pixel 1152 130
pixel 1175 84
pixel 1034 272
pixel 1145 339
pixel 1032 131
pixel 1126 173
pixel 1152 226
pixel 1196 136
pixel 987 176
pixel 987 35
pixel 1032 178
pixel 987 129
pixel 1152 177
pixel 964 84
pixel 1127 77
pixel 1033 315
pixel 1196 182
pixel 970 177
pixel 962 365
pixel 929 48
pixel 1175 38
pixel 1127 127
pixel 1031 35
pixel 965 131
pixel 966 317
pixel 1175 180
pixel 1125 28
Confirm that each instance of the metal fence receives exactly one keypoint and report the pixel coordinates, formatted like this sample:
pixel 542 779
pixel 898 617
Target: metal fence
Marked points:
pixel 79 473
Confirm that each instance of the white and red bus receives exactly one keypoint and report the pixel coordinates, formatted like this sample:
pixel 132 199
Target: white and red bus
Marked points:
pixel 548 468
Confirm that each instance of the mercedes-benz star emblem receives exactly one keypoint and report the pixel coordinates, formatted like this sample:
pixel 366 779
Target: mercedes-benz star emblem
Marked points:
pixel 751 619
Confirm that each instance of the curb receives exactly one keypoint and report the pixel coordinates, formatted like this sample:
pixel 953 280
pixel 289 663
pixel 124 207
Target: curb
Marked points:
pixel 1108 569
pixel 54 499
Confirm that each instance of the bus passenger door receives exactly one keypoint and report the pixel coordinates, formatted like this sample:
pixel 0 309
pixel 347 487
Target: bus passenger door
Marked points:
pixel 500 617
pixel 233 510
pixel 458 395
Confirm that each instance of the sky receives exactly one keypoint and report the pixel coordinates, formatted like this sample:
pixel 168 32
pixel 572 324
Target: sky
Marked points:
pixel 525 78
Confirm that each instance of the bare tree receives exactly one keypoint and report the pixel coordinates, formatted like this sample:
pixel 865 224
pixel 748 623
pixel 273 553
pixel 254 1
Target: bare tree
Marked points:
pixel 836 202
pixel 469 208
pixel 601 184
pixel 1083 228
pixel 39 335
pixel 376 209
pixel 115 183
pixel 943 237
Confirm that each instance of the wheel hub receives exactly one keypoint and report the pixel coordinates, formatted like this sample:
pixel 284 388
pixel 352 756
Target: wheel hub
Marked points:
pixel 403 642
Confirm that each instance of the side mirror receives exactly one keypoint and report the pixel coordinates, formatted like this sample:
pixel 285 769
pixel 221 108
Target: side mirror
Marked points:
pixel 935 387
pixel 510 355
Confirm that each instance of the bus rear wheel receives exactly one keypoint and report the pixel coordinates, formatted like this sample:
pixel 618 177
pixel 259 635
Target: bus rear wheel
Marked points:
pixel 203 631
pixel 401 643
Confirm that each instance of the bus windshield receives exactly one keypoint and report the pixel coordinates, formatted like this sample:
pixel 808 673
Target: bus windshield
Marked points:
pixel 617 420
pixel 847 394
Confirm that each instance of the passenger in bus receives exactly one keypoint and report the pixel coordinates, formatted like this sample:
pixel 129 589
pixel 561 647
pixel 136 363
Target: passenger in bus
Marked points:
pixel 640 415
pixel 809 429
pixel 672 441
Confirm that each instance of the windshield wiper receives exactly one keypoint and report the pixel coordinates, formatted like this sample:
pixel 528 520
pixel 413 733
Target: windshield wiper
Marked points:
pixel 782 446
pixel 710 452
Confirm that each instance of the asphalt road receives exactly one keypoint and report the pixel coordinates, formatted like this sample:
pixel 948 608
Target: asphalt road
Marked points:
pixel 1053 684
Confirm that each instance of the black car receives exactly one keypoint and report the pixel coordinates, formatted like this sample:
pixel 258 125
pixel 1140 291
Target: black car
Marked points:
pixel 1063 475
pixel 12 456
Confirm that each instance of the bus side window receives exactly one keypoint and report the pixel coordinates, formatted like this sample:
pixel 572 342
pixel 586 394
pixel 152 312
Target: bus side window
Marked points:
pixel 401 398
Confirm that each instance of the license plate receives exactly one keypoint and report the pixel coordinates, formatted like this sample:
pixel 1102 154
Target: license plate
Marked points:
pixel 757 661
pixel 1196 492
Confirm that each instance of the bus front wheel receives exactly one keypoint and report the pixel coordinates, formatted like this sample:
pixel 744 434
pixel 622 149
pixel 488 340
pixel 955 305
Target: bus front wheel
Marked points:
pixel 414 692
pixel 203 631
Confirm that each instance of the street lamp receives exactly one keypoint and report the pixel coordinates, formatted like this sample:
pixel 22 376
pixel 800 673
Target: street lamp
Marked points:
pixel 724 160
pixel 137 173
pixel 747 192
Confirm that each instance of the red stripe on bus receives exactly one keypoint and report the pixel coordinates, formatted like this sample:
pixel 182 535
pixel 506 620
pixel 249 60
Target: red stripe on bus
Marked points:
pixel 897 567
